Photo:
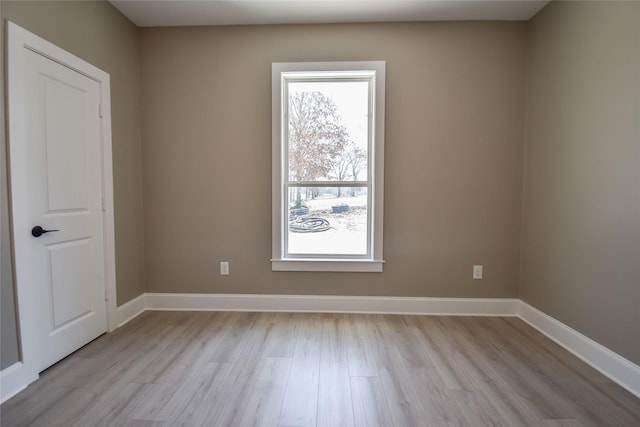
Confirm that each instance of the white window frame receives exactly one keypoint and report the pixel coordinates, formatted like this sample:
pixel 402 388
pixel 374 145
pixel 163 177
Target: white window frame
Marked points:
pixel 373 261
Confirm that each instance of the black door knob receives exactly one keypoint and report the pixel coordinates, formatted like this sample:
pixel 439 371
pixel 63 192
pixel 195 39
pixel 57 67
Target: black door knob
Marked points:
pixel 38 231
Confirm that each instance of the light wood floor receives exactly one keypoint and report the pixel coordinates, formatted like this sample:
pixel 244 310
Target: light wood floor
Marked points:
pixel 293 369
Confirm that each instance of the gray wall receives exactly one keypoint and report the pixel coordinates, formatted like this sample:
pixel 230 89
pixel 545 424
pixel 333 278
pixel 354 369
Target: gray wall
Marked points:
pixel 9 353
pixel 101 35
pixel 581 225
pixel 454 119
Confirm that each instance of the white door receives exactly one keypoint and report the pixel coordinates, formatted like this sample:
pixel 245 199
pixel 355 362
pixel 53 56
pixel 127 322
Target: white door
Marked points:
pixel 62 137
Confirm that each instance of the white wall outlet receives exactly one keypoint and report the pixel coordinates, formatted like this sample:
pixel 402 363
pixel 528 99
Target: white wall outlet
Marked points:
pixel 224 268
pixel 477 272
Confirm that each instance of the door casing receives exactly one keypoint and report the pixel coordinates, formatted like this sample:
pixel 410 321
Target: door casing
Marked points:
pixel 19 41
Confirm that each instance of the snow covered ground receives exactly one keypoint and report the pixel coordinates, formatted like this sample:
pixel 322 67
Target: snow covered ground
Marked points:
pixel 348 232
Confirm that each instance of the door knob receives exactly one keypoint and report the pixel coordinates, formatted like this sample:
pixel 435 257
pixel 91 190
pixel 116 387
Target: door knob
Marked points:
pixel 38 231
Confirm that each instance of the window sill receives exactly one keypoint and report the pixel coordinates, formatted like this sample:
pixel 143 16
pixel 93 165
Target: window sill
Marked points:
pixel 329 265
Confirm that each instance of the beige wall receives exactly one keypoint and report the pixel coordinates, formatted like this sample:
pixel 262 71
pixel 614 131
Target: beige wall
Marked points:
pixel 581 227
pixel 99 34
pixel 455 99
pixel 9 353
pixel 455 110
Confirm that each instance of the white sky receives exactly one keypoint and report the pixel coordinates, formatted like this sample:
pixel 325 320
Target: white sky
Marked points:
pixel 351 99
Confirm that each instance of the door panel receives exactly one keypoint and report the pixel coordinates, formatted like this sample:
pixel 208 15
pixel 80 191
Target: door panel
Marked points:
pixel 65 145
pixel 62 130
pixel 69 263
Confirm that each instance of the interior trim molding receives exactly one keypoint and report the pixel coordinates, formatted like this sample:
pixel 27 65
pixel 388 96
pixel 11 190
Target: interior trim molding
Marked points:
pixel 20 44
pixel 334 304
pixel 13 380
pixel 131 309
pixel 620 370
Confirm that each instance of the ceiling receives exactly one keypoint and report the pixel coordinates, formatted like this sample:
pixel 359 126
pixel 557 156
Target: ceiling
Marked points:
pixel 165 13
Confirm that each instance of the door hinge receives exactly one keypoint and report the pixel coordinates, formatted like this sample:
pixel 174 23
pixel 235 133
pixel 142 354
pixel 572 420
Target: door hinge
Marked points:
pixel 104 205
pixel 100 110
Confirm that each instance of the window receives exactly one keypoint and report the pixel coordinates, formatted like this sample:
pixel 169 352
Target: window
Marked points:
pixel 328 160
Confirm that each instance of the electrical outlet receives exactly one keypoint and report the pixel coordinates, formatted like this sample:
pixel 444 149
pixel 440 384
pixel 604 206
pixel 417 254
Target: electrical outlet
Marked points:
pixel 224 268
pixel 477 272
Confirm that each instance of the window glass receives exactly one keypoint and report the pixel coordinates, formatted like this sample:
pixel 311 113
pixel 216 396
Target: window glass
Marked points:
pixel 328 147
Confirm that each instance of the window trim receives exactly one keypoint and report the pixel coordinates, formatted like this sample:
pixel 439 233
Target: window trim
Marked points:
pixel 373 263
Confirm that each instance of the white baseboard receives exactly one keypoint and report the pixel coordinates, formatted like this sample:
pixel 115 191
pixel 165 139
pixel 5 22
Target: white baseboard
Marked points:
pixel 131 309
pixel 13 380
pixel 610 364
pixel 334 304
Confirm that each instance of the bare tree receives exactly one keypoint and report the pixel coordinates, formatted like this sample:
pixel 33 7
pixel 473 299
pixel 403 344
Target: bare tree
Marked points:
pixel 357 161
pixel 317 136
pixel 341 168
pixel 349 164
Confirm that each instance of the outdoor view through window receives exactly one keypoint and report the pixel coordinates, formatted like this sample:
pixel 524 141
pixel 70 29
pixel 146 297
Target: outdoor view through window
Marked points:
pixel 327 153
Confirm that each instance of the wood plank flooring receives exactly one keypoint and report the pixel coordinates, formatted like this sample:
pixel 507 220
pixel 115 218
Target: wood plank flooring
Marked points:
pixel 307 369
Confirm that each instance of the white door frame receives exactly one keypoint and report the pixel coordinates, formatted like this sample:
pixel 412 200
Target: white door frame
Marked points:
pixel 19 41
